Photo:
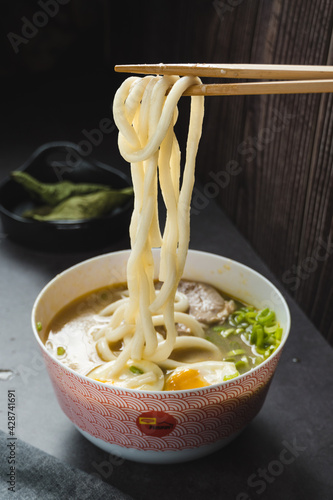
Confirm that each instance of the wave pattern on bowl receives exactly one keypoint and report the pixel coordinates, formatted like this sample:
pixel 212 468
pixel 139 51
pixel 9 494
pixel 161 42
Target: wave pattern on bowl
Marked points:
pixel 111 413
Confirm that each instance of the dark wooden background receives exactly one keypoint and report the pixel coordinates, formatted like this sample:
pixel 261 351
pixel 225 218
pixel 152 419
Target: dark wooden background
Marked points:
pixel 266 159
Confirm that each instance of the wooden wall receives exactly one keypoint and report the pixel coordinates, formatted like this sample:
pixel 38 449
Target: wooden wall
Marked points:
pixel 266 159
pixel 279 149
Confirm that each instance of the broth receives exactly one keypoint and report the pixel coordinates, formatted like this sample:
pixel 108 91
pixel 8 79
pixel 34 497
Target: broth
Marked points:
pixel 243 336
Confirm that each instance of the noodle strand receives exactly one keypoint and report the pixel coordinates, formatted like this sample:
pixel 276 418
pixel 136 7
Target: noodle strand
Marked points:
pixel 146 117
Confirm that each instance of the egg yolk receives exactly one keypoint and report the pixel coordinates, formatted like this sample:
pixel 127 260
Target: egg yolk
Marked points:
pixel 104 381
pixel 185 379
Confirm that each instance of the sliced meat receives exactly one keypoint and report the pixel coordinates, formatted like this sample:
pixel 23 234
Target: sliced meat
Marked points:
pixel 206 303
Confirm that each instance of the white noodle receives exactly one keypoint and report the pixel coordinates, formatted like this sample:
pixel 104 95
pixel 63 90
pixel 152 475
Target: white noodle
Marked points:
pixel 110 309
pixel 104 350
pixel 146 117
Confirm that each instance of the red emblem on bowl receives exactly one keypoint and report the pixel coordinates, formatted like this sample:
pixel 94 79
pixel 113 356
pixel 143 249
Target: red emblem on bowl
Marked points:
pixel 156 423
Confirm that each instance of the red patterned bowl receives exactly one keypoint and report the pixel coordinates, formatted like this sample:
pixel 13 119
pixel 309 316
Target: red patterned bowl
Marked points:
pixel 160 427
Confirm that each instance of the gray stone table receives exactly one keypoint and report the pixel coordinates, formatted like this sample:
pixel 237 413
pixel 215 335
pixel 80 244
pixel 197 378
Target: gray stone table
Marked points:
pixel 296 416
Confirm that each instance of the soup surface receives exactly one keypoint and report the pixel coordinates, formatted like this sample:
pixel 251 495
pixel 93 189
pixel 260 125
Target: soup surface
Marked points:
pixel 236 338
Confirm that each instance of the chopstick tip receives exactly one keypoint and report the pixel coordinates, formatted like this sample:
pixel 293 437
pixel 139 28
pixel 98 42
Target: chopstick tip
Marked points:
pixel 139 68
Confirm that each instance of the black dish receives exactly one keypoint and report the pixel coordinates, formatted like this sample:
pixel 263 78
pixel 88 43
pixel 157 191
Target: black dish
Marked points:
pixel 54 162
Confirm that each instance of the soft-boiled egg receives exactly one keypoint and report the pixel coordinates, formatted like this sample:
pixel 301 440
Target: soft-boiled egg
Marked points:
pixel 136 374
pixel 195 375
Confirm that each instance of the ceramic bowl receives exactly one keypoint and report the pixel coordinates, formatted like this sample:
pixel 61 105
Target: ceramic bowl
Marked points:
pixel 54 162
pixel 160 427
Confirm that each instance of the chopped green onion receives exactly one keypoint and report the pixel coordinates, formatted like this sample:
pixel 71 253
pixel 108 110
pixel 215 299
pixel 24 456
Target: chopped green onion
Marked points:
pixel 218 328
pixel 229 377
pixel 39 326
pixel 60 351
pixel 242 363
pixel 253 337
pixel 236 352
pixel 251 317
pixel 247 335
pixel 269 341
pixel 272 328
pixel 265 316
pixel 228 332
pixel 258 332
pixel 136 370
pixel 239 317
pixel 259 328
pixel 278 334
pixel 239 330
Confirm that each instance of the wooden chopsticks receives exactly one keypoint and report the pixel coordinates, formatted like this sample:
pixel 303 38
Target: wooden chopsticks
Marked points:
pixel 289 87
pixel 300 78
pixel 257 71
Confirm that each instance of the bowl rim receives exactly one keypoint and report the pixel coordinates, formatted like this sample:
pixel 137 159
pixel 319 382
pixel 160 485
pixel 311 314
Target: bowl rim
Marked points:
pixel 164 394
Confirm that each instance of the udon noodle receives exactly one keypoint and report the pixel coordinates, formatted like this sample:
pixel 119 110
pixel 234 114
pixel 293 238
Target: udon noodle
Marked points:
pixel 160 331
pixel 145 117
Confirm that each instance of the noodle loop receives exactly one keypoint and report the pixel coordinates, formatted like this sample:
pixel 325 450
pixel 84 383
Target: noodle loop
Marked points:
pixel 146 117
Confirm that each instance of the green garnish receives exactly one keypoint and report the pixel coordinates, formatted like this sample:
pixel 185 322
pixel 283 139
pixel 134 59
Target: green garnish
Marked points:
pixel 85 206
pixel 229 377
pixel 39 326
pixel 236 352
pixel 67 200
pixel 60 351
pixel 53 193
pixel 218 328
pixel 242 363
pixel 223 330
pixel 260 328
pixel 239 330
pixel 229 331
pixel 265 316
pixel 136 370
